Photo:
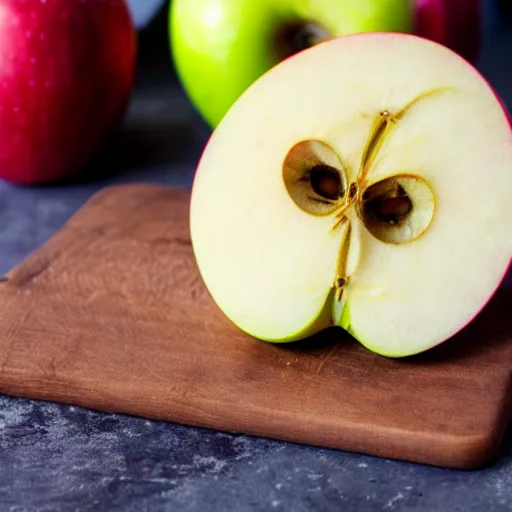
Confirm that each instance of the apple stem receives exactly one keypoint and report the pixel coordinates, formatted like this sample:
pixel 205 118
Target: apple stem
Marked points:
pixel 384 122
pixel 341 281
pixel 341 219
pixel 293 38
pixel 381 128
pixel 340 214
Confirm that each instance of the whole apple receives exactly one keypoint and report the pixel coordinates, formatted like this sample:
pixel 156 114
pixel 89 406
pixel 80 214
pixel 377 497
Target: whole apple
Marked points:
pixel 66 76
pixel 220 47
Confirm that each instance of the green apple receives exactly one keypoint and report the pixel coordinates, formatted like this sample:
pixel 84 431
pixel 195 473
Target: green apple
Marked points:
pixel 220 47
pixel 363 183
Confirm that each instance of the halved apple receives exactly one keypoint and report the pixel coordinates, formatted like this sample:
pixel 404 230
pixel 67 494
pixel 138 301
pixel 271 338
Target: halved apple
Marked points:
pixel 364 183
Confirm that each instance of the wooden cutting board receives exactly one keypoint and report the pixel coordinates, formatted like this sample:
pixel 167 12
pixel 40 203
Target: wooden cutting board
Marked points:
pixel 111 314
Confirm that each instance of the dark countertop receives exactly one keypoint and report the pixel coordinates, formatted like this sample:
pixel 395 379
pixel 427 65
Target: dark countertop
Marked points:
pixel 62 458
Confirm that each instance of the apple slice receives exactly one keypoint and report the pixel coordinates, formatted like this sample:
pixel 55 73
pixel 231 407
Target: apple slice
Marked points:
pixel 364 183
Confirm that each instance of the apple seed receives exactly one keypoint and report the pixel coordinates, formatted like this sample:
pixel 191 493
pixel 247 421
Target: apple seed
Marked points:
pixel 391 206
pixel 326 182
pixel 314 177
pixel 398 209
pixel 352 191
pixel 393 209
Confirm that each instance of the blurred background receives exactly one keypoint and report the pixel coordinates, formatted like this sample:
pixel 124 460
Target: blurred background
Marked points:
pixel 163 127
pixel 163 134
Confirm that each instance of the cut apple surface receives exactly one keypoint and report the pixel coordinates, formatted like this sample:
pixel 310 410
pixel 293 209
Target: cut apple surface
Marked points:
pixel 363 183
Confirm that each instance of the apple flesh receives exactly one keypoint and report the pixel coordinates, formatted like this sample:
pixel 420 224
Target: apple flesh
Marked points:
pixel 66 76
pixel 363 183
pixel 455 23
pixel 220 47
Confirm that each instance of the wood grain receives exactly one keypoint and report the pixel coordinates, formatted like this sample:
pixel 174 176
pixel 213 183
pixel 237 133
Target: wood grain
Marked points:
pixel 111 314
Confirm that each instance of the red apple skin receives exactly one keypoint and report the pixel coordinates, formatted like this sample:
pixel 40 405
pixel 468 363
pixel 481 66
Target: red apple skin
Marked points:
pixel 66 75
pixel 456 24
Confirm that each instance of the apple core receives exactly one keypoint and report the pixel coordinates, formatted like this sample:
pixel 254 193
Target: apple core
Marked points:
pixel 395 210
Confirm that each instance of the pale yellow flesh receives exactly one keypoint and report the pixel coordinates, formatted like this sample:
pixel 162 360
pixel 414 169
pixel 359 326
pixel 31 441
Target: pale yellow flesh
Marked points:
pixel 270 266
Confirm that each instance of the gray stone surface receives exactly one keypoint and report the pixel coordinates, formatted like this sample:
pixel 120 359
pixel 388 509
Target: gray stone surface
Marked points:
pixel 62 458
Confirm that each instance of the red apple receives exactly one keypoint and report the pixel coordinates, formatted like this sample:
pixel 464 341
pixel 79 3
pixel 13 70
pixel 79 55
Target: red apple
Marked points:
pixel 454 23
pixel 66 76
